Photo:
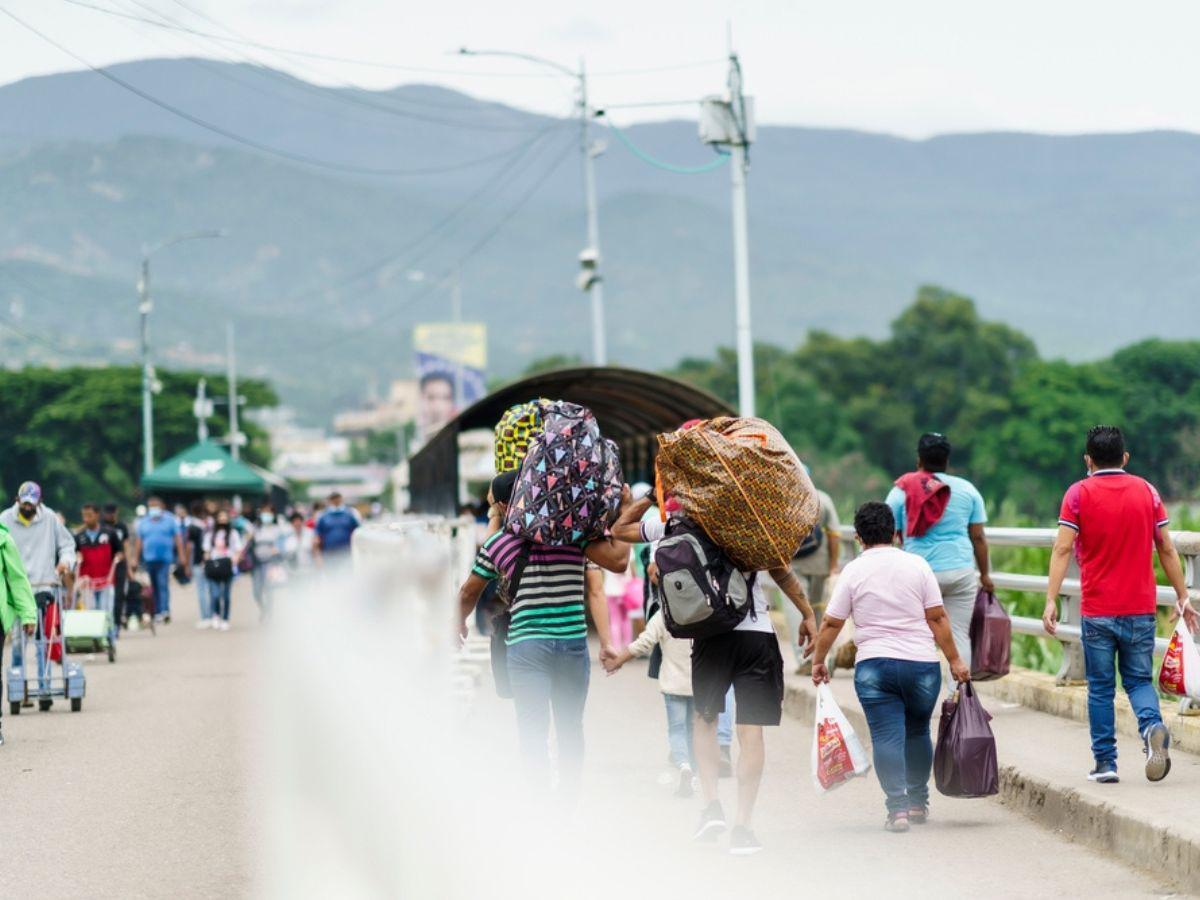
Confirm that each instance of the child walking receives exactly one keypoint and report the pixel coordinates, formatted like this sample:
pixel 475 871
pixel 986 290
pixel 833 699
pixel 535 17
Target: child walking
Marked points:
pixel 675 682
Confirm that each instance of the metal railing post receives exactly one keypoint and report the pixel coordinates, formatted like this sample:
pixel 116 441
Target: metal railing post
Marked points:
pixel 1072 670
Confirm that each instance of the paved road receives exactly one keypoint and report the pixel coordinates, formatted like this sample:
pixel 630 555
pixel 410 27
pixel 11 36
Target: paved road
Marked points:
pixel 832 844
pixel 147 793
pixel 141 794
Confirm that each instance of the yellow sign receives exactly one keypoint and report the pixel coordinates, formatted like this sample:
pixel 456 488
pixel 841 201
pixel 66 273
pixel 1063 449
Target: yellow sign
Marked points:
pixel 464 343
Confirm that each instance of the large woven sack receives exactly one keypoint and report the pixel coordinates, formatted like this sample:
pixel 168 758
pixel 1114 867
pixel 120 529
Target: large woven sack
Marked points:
pixel 569 485
pixel 517 427
pixel 741 481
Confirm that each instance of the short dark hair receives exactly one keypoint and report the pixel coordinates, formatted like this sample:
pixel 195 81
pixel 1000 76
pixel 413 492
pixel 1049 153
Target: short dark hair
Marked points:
pixel 296 515
pixel 933 451
pixel 198 508
pixel 91 506
pixel 1106 446
pixel 874 523
pixel 502 486
pixel 110 508
pixel 437 375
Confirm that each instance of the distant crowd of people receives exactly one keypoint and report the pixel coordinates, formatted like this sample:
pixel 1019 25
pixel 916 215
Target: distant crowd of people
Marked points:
pixel 910 593
pixel 127 570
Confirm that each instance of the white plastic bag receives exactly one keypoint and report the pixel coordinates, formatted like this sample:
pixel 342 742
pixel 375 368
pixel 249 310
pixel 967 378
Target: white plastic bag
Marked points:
pixel 1180 672
pixel 837 753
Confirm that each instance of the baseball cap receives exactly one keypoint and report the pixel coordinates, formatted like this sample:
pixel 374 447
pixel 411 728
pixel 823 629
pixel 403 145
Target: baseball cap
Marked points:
pixel 29 492
pixel 932 440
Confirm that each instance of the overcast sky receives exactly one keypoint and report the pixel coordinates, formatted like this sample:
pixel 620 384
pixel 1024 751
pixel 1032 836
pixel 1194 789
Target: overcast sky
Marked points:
pixel 916 67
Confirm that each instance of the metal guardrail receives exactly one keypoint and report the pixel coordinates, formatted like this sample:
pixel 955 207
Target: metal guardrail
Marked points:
pixel 1186 542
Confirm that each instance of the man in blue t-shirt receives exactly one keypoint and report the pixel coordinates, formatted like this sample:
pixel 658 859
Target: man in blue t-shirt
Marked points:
pixel 157 543
pixel 940 517
pixel 335 526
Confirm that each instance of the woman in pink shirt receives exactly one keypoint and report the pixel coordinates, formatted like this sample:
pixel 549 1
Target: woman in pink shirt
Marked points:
pixel 899 624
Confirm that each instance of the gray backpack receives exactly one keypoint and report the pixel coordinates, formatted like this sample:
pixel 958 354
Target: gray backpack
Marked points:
pixel 703 593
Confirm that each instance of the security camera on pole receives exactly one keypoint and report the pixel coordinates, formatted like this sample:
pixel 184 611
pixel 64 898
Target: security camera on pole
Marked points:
pixel 729 121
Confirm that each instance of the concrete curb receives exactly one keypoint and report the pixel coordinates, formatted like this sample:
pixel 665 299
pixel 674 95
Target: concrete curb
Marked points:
pixel 1037 690
pixel 1137 842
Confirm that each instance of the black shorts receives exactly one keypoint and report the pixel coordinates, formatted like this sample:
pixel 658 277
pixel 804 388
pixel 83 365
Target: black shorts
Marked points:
pixel 751 663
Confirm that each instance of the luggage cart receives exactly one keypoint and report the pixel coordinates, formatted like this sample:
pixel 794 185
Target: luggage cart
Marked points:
pixel 42 683
pixel 89 629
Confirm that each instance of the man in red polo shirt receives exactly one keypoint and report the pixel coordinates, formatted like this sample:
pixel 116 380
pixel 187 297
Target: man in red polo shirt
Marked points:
pixel 1113 522
pixel 98 550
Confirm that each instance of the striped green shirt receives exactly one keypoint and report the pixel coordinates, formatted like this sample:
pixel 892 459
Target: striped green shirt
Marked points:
pixel 550 596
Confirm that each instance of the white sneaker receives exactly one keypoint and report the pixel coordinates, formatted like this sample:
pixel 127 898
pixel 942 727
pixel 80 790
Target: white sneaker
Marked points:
pixel 132 624
pixel 216 623
pixel 146 619
pixel 204 623
pixel 224 625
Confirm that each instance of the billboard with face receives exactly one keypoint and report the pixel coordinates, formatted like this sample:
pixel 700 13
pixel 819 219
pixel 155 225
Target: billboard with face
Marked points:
pixel 451 358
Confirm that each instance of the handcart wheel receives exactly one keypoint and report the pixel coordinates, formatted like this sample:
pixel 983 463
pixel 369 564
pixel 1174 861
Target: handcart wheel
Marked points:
pixel 76 704
pixel 15 707
pixel 44 705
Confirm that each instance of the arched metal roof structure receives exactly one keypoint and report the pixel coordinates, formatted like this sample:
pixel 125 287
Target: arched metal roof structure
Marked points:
pixel 631 407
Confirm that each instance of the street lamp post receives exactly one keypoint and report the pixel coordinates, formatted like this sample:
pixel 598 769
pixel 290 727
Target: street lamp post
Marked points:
pixel 145 307
pixel 589 277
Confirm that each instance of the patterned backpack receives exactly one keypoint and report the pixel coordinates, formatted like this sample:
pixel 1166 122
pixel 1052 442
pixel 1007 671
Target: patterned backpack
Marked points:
pixel 569 486
pixel 517 427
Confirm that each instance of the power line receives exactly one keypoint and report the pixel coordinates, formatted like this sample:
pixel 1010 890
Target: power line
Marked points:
pixel 352 94
pixel 720 160
pixel 29 336
pixel 499 177
pixel 485 239
pixel 250 142
pixel 377 64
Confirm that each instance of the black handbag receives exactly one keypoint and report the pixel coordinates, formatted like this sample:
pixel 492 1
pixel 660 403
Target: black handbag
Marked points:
pixel 218 569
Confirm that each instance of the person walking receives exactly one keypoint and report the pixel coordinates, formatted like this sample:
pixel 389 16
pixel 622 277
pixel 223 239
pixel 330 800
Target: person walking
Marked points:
pixel 675 682
pixel 940 517
pixel 298 543
pixel 222 548
pixel 18 609
pixel 195 527
pixel 815 561
pixel 47 552
pixel 746 660
pixel 267 545
pixel 546 646
pixel 98 553
pixel 900 623
pixel 1112 522
pixel 334 528
pixel 110 515
pixel 157 544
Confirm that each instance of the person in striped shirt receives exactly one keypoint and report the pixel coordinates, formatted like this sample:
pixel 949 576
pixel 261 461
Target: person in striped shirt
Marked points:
pixel 549 666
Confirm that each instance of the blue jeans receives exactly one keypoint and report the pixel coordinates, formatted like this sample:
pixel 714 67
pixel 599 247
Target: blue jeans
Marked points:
pixel 680 711
pixel 550 676
pixel 1124 644
pixel 221 593
pixel 898 696
pixel 203 592
pixel 104 598
pixel 160 580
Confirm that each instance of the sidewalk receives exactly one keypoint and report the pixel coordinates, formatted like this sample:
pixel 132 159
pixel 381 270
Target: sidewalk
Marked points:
pixel 1044 761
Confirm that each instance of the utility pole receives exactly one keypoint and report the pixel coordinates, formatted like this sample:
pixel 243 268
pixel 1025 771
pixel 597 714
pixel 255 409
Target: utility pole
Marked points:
pixel 589 278
pixel 729 121
pixel 590 258
pixel 144 308
pixel 202 408
pixel 456 317
pixel 235 436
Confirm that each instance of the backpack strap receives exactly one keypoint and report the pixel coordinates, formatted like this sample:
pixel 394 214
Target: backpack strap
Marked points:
pixel 514 581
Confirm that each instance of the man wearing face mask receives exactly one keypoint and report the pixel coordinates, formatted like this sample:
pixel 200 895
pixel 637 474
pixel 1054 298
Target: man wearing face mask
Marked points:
pixel 47 550
pixel 157 543
pixel 268 543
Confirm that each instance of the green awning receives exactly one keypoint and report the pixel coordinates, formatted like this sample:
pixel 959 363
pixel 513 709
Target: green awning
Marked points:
pixel 205 468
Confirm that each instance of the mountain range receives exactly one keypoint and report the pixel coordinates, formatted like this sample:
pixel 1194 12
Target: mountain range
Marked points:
pixel 351 215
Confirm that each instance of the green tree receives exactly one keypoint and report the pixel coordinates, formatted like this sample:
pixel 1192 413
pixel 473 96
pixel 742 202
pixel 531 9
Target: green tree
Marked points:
pixel 78 431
